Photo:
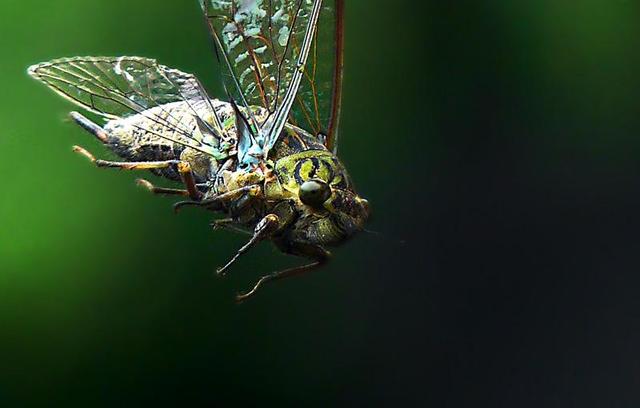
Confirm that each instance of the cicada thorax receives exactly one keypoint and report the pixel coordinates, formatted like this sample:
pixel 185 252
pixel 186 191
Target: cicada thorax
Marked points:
pixel 295 158
pixel 249 209
pixel 295 169
pixel 299 156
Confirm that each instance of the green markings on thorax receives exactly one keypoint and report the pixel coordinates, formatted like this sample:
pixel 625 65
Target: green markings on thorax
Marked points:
pixel 297 168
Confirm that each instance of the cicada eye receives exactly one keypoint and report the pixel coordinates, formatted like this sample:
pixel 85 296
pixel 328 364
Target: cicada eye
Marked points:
pixel 314 192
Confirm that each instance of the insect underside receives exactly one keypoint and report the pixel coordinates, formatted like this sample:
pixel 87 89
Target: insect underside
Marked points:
pixel 244 159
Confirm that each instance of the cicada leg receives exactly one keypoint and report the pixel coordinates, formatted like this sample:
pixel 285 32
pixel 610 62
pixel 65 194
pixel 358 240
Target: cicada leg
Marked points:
pixel 264 229
pixel 228 224
pixel 315 252
pixel 184 168
pixel 161 190
pixel 222 223
pixel 220 199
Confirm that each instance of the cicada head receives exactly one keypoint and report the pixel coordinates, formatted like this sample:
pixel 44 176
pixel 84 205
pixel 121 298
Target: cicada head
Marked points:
pixel 328 215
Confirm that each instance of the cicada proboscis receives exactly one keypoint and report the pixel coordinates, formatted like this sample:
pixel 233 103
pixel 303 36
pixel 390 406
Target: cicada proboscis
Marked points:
pixel 266 157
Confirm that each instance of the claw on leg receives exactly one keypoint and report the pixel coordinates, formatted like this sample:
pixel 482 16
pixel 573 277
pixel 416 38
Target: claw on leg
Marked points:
pixel 160 190
pixel 84 152
pixel 146 184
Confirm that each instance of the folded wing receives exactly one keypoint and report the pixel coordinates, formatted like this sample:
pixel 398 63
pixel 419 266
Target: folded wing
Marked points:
pixel 118 87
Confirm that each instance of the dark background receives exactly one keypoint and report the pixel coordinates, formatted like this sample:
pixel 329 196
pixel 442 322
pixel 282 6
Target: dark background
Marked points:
pixel 498 144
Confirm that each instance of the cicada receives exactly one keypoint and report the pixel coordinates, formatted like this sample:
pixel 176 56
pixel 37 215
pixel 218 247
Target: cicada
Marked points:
pixel 264 156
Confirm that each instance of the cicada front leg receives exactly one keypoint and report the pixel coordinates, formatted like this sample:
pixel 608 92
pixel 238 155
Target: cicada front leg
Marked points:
pixel 184 168
pixel 279 218
pixel 263 230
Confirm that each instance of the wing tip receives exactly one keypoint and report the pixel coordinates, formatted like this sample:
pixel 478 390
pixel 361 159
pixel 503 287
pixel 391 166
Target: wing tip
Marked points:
pixel 32 70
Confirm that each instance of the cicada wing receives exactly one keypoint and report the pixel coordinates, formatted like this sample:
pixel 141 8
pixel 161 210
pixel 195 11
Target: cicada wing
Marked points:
pixel 318 104
pixel 333 125
pixel 124 86
pixel 265 47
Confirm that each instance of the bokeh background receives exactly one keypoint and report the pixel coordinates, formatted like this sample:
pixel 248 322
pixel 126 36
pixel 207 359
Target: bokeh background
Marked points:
pixel 499 145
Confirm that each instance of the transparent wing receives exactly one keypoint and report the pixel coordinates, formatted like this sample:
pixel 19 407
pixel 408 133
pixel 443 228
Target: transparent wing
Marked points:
pixel 278 54
pixel 317 107
pixel 124 86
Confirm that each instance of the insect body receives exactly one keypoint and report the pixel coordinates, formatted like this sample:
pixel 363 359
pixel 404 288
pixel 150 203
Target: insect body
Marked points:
pixel 244 158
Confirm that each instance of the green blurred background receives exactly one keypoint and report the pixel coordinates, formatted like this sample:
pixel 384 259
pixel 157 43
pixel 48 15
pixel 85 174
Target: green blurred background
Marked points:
pixel 498 144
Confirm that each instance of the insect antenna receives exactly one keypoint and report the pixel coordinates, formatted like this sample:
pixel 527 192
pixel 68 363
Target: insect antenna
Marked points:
pixel 385 237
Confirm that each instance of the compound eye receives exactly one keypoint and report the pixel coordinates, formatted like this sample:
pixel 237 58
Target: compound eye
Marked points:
pixel 314 192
